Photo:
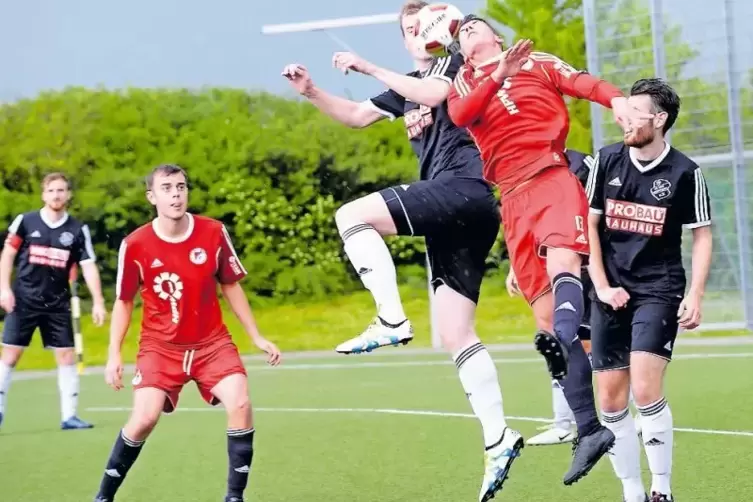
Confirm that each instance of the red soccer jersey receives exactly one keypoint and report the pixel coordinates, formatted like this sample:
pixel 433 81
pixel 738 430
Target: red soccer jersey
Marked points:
pixel 178 280
pixel 520 126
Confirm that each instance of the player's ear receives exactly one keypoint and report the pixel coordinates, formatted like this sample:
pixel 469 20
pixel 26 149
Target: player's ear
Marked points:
pixel 660 119
pixel 150 197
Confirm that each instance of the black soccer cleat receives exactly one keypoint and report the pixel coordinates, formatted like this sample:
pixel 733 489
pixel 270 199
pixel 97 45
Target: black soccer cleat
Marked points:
pixel 233 499
pixel 587 451
pixel 555 353
pixel 660 497
pixel 102 499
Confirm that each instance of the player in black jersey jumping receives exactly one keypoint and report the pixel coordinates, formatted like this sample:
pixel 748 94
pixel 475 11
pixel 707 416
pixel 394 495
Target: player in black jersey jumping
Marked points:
pixel 44 245
pixel 642 193
pixel 451 206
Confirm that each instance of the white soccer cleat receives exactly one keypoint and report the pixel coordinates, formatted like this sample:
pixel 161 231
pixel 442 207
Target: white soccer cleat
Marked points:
pixel 378 334
pixel 498 461
pixel 552 435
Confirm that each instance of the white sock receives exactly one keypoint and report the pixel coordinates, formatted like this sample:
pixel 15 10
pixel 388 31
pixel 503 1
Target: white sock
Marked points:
pixel 625 454
pixel 68 383
pixel 5 372
pixel 371 258
pixel 478 375
pixel 658 439
pixel 563 415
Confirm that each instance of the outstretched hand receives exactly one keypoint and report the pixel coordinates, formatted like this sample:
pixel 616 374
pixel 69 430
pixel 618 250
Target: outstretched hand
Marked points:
pixel 512 60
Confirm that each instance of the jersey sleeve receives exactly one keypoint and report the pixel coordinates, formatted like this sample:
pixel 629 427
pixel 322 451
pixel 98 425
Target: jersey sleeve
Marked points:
pixel 465 103
pixel 84 247
pixel 129 273
pixel 229 268
pixel 389 103
pixel 16 233
pixel 576 83
pixel 695 201
pixel 595 185
pixel 445 68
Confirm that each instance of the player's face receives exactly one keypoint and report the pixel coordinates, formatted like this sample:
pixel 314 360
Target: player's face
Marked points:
pixel 642 133
pixel 477 36
pixel 409 38
pixel 56 195
pixel 169 194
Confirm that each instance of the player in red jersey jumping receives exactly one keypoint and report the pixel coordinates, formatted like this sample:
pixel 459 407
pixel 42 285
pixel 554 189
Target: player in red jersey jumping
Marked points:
pixel 176 262
pixel 512 104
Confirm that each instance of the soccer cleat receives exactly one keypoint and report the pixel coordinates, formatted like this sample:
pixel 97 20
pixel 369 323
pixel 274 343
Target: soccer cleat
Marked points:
pixel 552 435
pixel 660 497
pixel 75 423
pixel 555 353
pixel 233 499
pixel 102 499
pixel 644 500
pixel 379 334
pixel 587 451
pixel 498 459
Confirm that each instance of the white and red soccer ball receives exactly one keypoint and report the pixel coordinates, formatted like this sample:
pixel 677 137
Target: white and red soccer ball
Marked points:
pixel 438 27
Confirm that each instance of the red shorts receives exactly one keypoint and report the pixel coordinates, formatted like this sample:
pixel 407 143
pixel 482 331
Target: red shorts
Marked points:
pixel 170 368
pixel 548 211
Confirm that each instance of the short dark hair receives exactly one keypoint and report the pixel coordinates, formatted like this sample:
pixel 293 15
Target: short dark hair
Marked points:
pixel 166 170
pixel 55 177
pixel 663 97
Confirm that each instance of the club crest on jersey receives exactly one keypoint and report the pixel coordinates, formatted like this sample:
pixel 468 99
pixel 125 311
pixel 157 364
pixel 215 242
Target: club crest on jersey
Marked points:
pixel 198 256
pixel 661 189
pixel 168 286
pixel 66 239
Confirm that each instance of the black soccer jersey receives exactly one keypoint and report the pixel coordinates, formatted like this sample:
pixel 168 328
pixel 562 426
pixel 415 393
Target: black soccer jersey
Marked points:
pixel 644 208
pixel 439 145
pixel 580 165
pixel 46 253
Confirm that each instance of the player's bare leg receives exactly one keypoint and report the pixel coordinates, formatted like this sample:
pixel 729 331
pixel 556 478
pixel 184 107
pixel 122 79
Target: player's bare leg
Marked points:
pixel 69 385
pixel 647 380
pixel 594 440
pixel 478 375
pixel 362 225
pixel 148 404
pixel 614 388
pixel 232 391
pixel 8 360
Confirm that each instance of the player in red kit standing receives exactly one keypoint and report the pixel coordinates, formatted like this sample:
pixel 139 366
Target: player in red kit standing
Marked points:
pixel 176 262
pixel 512 104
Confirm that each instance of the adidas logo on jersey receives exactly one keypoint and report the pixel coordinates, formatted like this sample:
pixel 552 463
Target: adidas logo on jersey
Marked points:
pixel 615 182
pixel 36 233
pixel 581 239
pixel 157 263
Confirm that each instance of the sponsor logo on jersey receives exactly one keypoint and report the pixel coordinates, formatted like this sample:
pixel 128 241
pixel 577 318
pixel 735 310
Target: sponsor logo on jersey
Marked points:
pixel 45 255
pixel 66 239
pixel 661 189
pixel 235 266
pixel 637 218
pixel 417 120
pixel 168 286
pixel 505 98
pixel 198 256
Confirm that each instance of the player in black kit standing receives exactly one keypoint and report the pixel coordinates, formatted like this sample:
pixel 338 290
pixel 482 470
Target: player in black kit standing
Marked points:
pixel 642 193
pixel 45 244
pixel 451 206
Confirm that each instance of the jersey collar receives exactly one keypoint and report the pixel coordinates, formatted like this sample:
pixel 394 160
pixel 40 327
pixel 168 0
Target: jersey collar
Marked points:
pixel 53 224
pixel 658 160
pixel 174 240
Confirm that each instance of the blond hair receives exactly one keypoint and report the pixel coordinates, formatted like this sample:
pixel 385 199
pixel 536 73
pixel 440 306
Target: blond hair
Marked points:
pixel 55 177
pixel 410 7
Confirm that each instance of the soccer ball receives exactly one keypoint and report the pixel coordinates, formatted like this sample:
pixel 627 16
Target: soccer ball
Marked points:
pixel 437 28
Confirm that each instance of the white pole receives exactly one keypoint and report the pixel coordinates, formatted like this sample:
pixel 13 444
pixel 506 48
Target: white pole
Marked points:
pixel 347 22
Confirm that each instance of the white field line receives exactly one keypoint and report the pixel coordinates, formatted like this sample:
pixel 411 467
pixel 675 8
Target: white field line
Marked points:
pixel 393 411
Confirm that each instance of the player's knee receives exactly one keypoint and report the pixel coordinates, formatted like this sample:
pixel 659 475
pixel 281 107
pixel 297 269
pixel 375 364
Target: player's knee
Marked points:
pixel 11 355
pixel 455 340
pixel 238 407
pixel 345 217
pixel 614 390
pixel 65 357
pixel 559 261
pixel 646 390
pixel 141 424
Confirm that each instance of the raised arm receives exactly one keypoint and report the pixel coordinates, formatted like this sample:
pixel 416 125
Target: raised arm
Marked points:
pixel 465 103
pixel 350 113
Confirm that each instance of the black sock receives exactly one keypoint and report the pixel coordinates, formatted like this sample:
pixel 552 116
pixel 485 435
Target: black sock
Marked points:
pixel 568 307
pixel 240 452
pixel 578 390
pixel 123 455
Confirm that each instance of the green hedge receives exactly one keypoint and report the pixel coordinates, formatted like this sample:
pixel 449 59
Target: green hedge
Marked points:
pixel 273 170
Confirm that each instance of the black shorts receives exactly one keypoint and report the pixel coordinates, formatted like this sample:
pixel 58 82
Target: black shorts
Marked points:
pixel 459 217
pixel 640 327
pixel 56 328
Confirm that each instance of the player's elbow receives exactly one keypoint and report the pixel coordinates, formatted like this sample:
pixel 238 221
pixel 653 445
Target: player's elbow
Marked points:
pixel 459 117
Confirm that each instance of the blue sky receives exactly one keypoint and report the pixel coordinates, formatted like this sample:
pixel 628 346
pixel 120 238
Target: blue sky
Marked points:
pixel 48 44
